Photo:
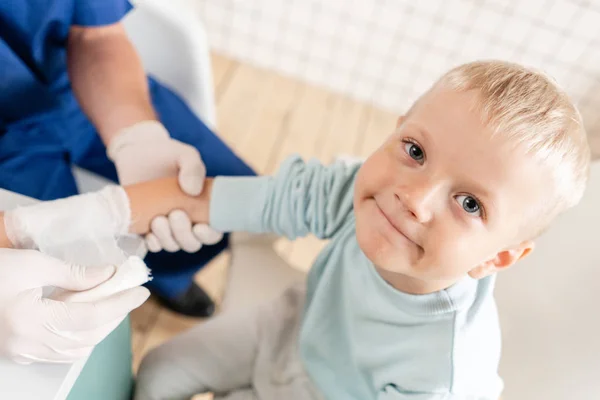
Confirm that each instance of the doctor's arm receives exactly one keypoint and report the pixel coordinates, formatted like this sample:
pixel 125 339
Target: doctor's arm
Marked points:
pixel 108 78
pixel 111 86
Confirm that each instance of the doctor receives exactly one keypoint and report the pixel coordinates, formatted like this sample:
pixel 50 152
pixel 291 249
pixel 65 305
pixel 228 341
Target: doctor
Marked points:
pixel 73 91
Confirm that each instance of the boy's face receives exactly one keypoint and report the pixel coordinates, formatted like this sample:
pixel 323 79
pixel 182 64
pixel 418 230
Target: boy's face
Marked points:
pixel 442 198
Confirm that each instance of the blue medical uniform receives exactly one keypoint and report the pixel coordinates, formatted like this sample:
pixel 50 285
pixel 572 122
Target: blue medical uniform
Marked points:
pixel 43 130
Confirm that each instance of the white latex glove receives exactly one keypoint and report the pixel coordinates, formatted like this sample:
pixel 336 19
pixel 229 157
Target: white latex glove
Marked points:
pixel 37 329
pixel 145 151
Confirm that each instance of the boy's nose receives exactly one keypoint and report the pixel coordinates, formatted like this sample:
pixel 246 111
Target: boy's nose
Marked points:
pixel 418 200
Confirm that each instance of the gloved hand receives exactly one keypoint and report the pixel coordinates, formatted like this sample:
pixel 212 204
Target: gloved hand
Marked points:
pixel 37 329
pixel 145 151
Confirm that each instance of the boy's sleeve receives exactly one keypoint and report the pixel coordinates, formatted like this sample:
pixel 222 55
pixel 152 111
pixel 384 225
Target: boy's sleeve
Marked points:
pixel 302 198
pixel 99 12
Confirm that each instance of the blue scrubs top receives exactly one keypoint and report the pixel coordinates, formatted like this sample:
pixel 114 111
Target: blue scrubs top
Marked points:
pixel 33 40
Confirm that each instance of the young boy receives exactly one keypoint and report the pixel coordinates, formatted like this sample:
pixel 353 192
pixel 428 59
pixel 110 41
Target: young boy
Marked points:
pixel 400 304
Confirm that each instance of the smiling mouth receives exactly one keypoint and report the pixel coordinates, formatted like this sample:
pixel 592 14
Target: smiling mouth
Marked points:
pixel 391 223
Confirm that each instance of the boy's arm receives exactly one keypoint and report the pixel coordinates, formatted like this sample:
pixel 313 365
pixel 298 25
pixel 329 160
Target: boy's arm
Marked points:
pixel 301 198
pixel 148 200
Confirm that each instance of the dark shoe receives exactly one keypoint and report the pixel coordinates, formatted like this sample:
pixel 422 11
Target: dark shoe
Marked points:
pixel 194 302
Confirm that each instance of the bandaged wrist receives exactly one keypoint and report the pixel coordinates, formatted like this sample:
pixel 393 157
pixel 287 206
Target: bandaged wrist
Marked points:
pixel 105 213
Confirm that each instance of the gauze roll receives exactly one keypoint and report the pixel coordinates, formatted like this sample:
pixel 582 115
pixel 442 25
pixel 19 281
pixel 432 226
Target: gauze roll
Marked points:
pixel 124 253
pixel 92 252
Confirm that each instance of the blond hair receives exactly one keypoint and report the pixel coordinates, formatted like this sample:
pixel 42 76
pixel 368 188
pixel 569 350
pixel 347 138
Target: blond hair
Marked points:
pixel 530 108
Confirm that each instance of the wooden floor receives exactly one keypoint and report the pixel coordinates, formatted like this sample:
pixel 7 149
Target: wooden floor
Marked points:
pixel 265 117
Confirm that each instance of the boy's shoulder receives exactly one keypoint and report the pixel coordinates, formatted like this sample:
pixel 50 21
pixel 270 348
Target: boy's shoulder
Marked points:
pixel 456 352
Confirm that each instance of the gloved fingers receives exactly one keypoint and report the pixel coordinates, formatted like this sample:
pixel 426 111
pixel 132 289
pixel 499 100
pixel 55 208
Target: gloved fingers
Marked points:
pixel 192 171
pixel 162 230
pixel 152 243
pixel 206 234
pixel 61 316
pixel 181 226
pixel 43 270
pixel 130 273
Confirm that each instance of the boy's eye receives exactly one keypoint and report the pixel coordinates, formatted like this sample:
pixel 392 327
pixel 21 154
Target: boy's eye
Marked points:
pixel 414 151
pixel 469 204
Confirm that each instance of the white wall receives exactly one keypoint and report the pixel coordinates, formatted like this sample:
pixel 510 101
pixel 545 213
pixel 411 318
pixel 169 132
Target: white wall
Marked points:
pixel 389 51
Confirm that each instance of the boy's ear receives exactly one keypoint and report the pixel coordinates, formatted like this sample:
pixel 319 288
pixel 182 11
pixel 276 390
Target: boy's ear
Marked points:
pixel 503 260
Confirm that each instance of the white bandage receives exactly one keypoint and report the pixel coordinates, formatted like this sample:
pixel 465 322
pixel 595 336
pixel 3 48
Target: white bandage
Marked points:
pixel 51 223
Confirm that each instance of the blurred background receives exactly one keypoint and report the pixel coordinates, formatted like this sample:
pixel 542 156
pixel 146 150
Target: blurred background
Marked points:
pixel 387 52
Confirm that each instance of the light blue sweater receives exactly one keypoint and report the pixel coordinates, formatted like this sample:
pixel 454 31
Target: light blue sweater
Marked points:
pixel 361 338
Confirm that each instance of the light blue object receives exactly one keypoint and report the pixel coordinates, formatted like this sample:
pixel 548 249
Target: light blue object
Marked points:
pixel 107 373
pixel 361 338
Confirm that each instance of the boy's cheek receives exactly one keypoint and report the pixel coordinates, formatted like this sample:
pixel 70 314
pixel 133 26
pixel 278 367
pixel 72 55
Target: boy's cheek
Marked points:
pixel 469 251
pixel 376 174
